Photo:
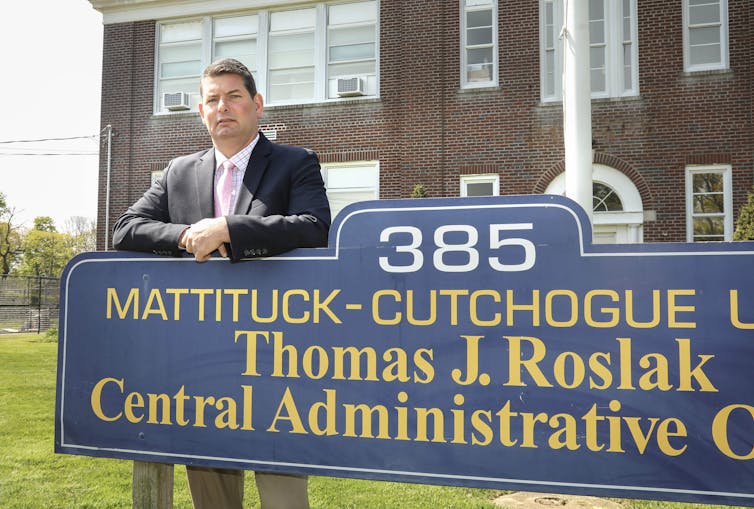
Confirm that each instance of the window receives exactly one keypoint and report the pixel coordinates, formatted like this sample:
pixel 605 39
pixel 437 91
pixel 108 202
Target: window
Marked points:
pixel 348 183
pixel 605 199
pixel 613 51
pixel 705 35
pixel 709 214
pixel 236 37
pixel 478 43
pixel 318 53
pixel 180 63
pixel 352 46
pixel 291 56
pixel 480 185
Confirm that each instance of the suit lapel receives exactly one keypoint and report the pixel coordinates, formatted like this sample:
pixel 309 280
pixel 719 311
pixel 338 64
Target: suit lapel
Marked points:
pixel 255 170
pixel 205 184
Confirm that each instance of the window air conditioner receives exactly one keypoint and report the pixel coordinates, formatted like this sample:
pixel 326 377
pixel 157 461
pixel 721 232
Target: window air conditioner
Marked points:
pixel 178 101
pixel 350 87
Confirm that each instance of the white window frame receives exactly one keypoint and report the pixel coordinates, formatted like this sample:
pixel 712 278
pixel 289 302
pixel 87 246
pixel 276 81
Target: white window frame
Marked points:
pixel 204 57
pixel 724 63
pixel 370 80
pixel 493 82
pixel 615 69
pixel 487 178
pixel 372 186
pixel 727 172
pixel 262 70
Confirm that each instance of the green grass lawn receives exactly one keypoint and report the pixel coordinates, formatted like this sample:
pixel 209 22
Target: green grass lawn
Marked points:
pixel 32 476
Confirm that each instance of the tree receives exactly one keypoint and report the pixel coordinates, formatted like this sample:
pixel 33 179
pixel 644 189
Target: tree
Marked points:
pixel 82 232
pixel 44 224
pixel 45 251
pixel 745 222
pixel 10 237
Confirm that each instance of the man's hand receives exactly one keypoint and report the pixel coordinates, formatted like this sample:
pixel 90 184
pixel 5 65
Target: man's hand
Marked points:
pixel 206 236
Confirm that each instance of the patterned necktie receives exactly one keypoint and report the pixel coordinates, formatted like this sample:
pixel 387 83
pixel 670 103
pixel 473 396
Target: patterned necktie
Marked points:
pixel 224 190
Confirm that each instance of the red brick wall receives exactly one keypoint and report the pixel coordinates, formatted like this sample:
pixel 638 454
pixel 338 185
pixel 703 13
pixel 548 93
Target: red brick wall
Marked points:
pixel 425 130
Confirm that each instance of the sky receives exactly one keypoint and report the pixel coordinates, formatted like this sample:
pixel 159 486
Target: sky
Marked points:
pixel 51 61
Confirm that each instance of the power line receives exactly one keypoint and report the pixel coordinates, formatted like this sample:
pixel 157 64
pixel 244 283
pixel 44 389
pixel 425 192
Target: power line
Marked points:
pixel 48 153
pixel 91 136
pixel 7 148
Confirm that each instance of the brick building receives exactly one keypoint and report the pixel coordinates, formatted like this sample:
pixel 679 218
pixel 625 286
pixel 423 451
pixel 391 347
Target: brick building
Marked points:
pixel 460 96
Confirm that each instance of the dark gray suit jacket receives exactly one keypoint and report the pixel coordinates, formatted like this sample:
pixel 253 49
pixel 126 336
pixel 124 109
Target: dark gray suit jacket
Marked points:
pixel 282 204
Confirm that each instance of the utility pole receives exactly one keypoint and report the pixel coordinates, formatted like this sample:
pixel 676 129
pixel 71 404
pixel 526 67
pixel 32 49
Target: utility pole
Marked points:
pixel 109 129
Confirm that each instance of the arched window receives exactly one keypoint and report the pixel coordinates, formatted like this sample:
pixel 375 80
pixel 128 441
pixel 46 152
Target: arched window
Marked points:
pixel 605 199
pixel 618 211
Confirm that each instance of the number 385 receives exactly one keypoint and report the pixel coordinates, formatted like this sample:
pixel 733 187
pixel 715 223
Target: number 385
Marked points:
pixel 406 255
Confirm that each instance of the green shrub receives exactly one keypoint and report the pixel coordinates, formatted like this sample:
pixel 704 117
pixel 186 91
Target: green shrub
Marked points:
pixel 419 191
pixel 745 222
pixel 51 335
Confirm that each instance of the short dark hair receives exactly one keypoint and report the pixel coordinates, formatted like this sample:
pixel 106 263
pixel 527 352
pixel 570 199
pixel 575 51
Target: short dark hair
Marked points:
pixel 230 66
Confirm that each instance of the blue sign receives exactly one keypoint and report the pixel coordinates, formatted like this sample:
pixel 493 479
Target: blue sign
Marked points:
pixel 478 342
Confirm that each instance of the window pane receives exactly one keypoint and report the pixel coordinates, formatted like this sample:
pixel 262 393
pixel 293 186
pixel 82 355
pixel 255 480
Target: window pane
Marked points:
pixel 293 20
pixel 477 19
pixel 244 51
pixel 605 199
pixel 291 84
pixel 340 199
pixel 351 69
pixel 704 14
pixel 478 73
pixel 709 228
pixel 702 36
pixel 708 182
pixel 353 35
pixel 705 55
pixel 239 25
pixel 176 69
pixel 597 32
pixel 180 53
pixel 355 43
pixel 627 78
pixel 626 20
pixel 599 80
pixel 709 203
pixel 291 51
pixel 479 56
pixel 352 52
pixel 189 85
pixel 550 73
pixel 479 189
pixel 478 36
pixel 596 9
pixel 362 12
pixel 177 32
pixel 599 83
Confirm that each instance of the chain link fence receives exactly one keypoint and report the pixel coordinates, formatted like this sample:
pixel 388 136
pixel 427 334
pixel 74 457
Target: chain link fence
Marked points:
pixel 28 304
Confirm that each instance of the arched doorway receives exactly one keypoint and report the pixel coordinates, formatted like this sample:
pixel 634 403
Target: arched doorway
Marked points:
pixel 618 211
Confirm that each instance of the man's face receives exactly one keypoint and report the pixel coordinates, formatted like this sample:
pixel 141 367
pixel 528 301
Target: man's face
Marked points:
pixel 229 112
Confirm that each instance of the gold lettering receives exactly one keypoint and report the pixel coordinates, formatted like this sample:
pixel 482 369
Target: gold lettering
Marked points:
pixel 133 299
pixel 96 398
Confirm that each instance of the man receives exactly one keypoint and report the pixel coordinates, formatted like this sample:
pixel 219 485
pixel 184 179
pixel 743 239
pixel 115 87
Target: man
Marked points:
pixel 270 198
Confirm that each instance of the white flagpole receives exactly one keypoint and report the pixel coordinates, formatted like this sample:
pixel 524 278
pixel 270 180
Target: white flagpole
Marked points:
pixel 577 109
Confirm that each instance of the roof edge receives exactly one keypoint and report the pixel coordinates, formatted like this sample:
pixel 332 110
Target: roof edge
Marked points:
pixel 125 11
